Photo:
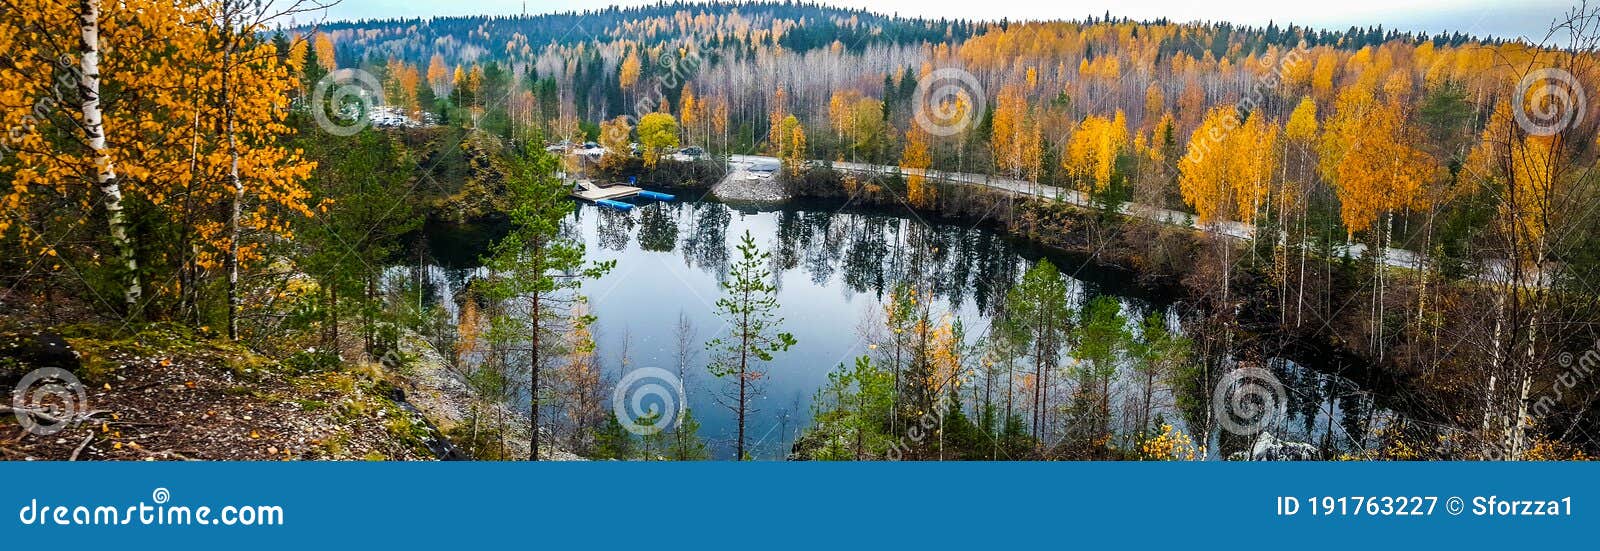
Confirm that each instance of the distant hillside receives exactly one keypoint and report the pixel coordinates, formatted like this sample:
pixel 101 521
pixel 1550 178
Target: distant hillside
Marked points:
pixel 797 26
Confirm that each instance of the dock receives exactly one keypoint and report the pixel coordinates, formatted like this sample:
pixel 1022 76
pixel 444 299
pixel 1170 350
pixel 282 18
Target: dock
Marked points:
pixel 608 196
pixel 587 191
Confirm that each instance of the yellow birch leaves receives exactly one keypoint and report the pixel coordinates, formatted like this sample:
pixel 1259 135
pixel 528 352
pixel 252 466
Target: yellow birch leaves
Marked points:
pixel 914 161
pixel 1091 155
pixel 1227 171
pixel 1366 153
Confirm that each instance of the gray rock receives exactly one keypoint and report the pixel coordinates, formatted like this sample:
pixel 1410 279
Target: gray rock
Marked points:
pixel 1270 448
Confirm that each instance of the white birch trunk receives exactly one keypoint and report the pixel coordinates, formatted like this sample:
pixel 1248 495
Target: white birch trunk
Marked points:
pixel 94 132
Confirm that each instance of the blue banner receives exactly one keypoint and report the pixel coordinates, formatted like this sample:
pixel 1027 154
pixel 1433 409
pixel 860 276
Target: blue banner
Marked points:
pixel 608 505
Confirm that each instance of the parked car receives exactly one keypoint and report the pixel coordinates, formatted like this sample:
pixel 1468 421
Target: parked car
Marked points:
pixel 691 153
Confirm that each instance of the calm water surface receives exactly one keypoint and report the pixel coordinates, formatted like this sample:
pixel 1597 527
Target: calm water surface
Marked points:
pixel 833 267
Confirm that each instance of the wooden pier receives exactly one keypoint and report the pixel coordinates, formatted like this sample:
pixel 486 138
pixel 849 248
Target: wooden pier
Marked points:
pixel 587 191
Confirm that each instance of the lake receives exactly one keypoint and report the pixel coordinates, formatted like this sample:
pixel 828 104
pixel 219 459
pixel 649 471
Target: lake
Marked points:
pixel 834 264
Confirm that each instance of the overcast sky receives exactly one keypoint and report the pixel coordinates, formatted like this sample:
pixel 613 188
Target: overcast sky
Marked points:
pixel 1505 18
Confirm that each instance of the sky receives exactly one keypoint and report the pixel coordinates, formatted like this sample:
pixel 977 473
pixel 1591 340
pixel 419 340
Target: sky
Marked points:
pixel 1504 18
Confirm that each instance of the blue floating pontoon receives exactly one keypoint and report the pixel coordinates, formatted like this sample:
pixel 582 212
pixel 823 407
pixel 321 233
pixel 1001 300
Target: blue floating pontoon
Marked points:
pixel 619 205
pixel 656 195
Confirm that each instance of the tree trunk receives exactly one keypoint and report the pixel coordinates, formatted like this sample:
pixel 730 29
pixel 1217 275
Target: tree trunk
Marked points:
pixel 861 410
pixel 472 440
pixel 533 364
pixel 1300 293
pixel 105 167
pixel 232 260
pixel 1496 363
pixel 368 338
pixel 187 295
pixel 744 366
pixel 333 309
pixel 1149 397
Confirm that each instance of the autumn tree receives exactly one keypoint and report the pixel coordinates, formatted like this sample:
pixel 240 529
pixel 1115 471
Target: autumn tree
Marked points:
pixel 221 123
pixel 718 115
pixel 614 136
pixel 1016 138
pixel 657 133
pixel 1367 152
pixel 1300 138
pixel 791 145
pixel 628 72
pixel 438 73
pixel 323 45
pixel 1092 152
pixel 914 163
pixel 1206 177
pixel 258 171
pixel 53 80
pixel 841 114
pixel 1225 177
pixel 1225 174
pixel 777 112
pixel 692 112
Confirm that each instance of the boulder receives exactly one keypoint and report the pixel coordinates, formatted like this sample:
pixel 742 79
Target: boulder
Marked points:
pixel 1270 448
pixel 24 352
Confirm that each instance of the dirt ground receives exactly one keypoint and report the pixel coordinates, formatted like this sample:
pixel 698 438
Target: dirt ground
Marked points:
pixel 164 393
